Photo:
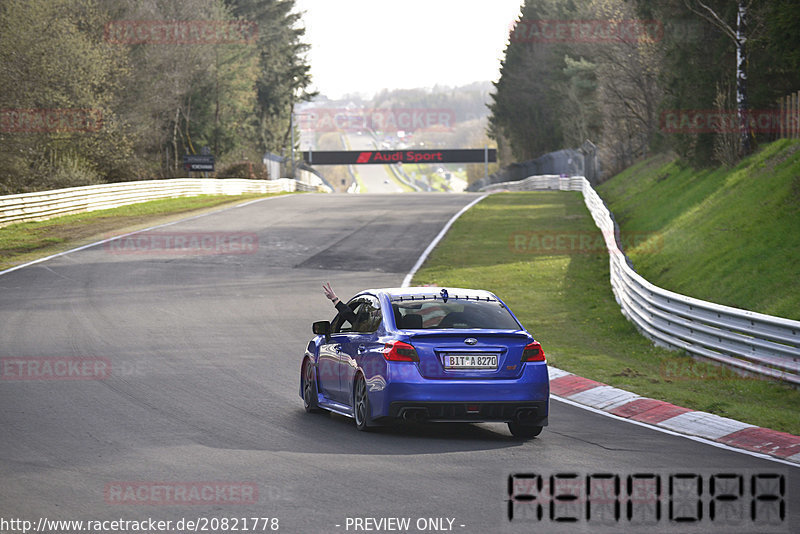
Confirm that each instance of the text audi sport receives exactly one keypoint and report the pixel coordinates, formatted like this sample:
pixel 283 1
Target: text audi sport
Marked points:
pixel 427 354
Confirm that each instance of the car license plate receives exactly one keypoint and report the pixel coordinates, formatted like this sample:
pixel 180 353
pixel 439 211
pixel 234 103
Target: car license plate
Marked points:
pixel 470 361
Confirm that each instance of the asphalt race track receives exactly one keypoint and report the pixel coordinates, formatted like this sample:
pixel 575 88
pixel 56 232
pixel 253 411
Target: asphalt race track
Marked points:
pixel 204 353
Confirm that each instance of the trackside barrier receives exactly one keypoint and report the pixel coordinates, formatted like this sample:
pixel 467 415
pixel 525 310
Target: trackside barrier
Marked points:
pixel 47 204
pixel 747 341
pixel 401 176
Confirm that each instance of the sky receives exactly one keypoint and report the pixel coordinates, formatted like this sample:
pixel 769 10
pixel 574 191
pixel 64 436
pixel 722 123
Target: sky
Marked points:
pixel 363 46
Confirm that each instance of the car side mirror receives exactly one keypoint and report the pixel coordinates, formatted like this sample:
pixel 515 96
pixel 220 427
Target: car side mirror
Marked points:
pixel 322 328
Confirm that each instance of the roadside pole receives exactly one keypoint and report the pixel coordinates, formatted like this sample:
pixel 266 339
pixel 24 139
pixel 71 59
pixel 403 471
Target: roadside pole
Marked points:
pixel 291 127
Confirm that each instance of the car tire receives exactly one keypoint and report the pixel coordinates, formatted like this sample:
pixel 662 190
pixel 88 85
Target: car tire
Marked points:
pixel 308 379
pixel 520 431
pixel 361 404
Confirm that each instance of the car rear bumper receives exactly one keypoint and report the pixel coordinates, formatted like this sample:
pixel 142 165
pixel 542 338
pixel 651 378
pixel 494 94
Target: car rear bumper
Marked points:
pixel 530 413
pixel 408 395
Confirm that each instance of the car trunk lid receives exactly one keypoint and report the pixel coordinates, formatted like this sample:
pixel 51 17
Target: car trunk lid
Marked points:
pixel 467 354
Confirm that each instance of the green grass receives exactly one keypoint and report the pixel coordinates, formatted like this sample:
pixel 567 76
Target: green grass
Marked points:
pixel 27 241
pixel 565 299
pixel 730 236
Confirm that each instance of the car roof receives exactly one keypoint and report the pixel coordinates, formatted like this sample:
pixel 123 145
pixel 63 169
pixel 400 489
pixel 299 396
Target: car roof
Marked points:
pixel 403 293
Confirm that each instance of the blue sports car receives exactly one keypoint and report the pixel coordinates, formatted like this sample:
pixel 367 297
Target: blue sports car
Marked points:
pixel 427 354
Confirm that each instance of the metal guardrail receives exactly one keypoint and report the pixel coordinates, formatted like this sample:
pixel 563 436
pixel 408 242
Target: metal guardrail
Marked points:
pixel 743 340
pixel 47 204
pixel 401 175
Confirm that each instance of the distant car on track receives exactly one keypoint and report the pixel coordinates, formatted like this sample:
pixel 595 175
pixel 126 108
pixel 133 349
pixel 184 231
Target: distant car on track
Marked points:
pixel 427 354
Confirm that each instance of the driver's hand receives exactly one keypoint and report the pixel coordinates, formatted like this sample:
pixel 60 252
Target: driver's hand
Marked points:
pixel 326 287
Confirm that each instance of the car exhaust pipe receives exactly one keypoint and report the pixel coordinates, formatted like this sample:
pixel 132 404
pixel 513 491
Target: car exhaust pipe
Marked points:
pixel 413 414
pixel 526 414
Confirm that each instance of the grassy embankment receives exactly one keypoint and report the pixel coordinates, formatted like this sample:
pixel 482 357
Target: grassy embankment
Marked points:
pixel 27 241
pixel 731 236
pixel 565 298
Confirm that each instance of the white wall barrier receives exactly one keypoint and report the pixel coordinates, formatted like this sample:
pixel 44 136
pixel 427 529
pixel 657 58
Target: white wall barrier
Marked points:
pixel 309 179
pixel 742 340
pixel 46 204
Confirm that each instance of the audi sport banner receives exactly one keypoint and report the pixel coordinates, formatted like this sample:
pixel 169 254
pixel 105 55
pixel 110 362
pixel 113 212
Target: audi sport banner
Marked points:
pixel 383 157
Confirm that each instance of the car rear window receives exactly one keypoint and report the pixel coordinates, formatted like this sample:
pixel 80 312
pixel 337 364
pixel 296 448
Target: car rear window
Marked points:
pixel 453 314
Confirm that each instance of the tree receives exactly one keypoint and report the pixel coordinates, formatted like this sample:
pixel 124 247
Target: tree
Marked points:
pixel 154 100
pixel 160 102
pixel 629 93
pixel 580 118
pixel 576 89
pixel 526 104
pixel 739 38
pixel 53 63
pixel 283 73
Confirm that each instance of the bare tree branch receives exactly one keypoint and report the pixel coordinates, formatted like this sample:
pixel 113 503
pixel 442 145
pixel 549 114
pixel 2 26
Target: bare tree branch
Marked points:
pixel 711 16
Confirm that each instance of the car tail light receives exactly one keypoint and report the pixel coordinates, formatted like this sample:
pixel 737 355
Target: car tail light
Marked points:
pixel 533 352
pixel 398 351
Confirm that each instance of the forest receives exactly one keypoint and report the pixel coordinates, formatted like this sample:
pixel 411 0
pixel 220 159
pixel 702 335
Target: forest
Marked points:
pixel 95 91
pixel 620 73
